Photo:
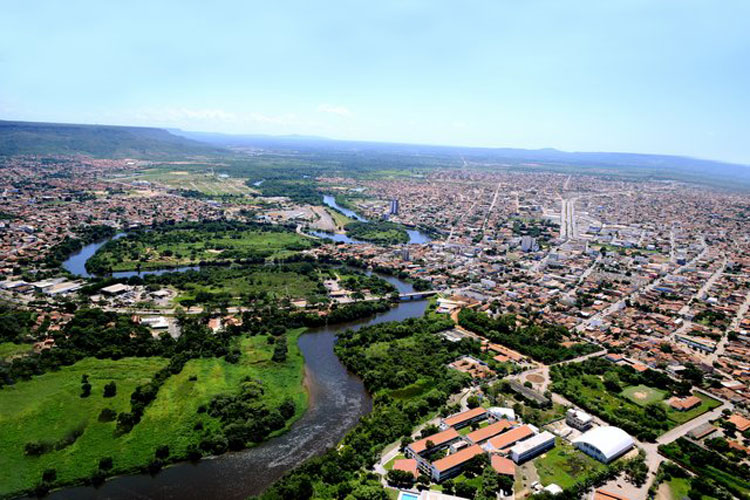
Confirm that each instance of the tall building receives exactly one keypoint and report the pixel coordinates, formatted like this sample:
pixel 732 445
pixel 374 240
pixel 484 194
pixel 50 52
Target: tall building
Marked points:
pixel 394 207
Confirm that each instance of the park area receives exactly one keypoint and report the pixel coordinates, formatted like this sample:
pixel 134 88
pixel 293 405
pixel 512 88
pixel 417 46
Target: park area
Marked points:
pixel 193 243
pixel 565 466
pixel 50 412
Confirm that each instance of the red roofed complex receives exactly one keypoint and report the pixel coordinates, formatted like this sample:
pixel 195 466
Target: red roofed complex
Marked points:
pixel 439 440
pixel 451 465
pixel 483 434
pixel 465 418
pixel 510 438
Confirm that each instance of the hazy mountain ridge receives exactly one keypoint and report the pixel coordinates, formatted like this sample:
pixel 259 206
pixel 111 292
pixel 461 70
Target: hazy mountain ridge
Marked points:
pixel 95 140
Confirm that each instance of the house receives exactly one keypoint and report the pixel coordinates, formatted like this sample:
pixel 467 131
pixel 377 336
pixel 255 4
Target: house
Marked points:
pixel 684 404
pixel 465 418
pixel 740 422
pixel 116 289
pixel 451 465
pixel 530 448
pixel 579 420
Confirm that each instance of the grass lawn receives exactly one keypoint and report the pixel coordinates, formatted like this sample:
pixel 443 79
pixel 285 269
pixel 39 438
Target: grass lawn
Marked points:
pixel 9 349
pixel 565 466
pixel 389 464
pixel 48 407
pixel 243 281
pixel 410 391
pixel 678 488
pixel 643 395
pixel 182 247
pixel 339 219
pixel 192 177
pixel 680 417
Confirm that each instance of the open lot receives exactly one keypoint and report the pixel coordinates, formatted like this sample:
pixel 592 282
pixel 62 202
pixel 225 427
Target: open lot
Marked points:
pixel 643 395
pixel 565 466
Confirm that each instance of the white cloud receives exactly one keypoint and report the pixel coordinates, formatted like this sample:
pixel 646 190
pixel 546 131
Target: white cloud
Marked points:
pixel 334 110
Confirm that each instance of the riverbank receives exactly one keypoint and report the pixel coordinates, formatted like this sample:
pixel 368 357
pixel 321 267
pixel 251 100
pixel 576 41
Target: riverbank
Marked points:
pixel 336 399
pixel 49 409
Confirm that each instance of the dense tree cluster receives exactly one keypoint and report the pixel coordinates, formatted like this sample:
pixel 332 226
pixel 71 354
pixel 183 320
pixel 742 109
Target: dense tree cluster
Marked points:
pixel 15 324
pixel 540 342
pixel 410 352
pixel 384 233
pixel 583 383
pixel 84 236
pixel 717 476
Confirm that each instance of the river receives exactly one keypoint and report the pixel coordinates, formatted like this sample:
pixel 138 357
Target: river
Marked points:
pixel 415 236
pixel 337 401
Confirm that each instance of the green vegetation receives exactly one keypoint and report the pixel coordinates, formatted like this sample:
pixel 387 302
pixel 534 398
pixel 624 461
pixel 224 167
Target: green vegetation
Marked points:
pixel 625 398
pixel 383 233
pixel 194 243
pixel 566 466
pixel 84 236
pixel 10 349
pixel 15 324
pixel 298 190
pixel 235 285
pixel 643 395
pixel 17 138
pixel 541 342
pixel 388 356
pixel 717 476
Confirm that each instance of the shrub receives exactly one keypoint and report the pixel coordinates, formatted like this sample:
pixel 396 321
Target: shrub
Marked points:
pixel 110 390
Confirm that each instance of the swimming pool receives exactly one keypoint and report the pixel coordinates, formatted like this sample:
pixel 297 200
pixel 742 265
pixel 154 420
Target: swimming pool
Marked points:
pixel 404 495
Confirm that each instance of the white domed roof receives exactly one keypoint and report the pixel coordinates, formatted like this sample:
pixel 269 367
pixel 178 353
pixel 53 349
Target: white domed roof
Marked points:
pixel 610 441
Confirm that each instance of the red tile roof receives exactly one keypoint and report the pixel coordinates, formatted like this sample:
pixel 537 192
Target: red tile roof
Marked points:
pixel 511 437
pixel 406 464
pixel 437 439
pixel 458 458
pixel 491 430
pixel 503 465
pixel 464 416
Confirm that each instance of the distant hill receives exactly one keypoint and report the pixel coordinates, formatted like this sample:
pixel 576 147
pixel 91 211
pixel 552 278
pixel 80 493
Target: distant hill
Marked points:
pixel 96 140
pixel 622 165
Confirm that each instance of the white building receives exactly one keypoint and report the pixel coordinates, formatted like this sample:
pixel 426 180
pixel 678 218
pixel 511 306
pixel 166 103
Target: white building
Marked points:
pixel 529 448
pixel 604 443
pixel 578 419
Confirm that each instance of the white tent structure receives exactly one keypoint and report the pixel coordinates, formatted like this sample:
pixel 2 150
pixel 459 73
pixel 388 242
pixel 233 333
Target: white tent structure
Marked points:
pixel 604 443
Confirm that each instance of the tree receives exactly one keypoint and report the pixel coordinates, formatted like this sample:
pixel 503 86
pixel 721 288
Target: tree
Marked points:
pixel 400 478
pixel 110 390
pixel 105 463
pixel 49 475
pixel 472 402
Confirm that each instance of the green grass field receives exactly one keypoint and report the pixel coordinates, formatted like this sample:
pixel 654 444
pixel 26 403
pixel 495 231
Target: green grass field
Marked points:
pixel 565 466
pixel 48 406
pixel 678 488
pixel 181 247
pixel 277 284
pixel 9 349
pixel 192 177
pixel 643 395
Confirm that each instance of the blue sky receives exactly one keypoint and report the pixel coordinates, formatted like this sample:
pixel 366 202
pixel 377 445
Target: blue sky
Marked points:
pixel 651 76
